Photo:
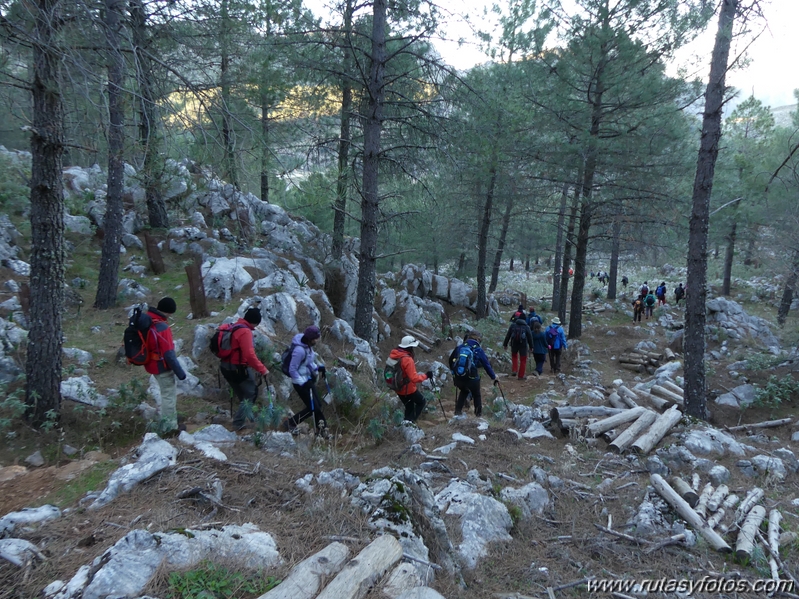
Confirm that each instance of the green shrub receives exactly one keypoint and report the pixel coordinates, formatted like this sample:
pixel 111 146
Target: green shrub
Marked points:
pixel 776 392
pixel 762 361
pixel 12 405
pixel 211 581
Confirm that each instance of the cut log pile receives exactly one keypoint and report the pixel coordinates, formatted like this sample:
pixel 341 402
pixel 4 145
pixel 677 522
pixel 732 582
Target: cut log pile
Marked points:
pixel 594 307
pixel 641 360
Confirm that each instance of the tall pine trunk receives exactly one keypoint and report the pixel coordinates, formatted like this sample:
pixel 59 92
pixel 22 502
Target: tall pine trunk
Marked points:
pixel 342 181
pixel 224 83
pixel 567 255
pixel 501 245
pixel 728 258
pixel 364 301
pixel 558 249
pixel 482 240
pixel 614 260
pixel 149 139
pixel 112 223
pixel 694 336
pixel 788 291
pixel 43 360
pixel 265 109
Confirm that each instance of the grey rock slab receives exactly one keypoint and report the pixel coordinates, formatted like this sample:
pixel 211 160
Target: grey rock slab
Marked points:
pixel 79 355
pixel 35 460
pixel 27 516
pixel 460 437
pixel 278 442
pixel 767 465
pixel 788 457
pixel 719 475
pixel 740 396
pixel 82 390
pixel 536 430
pixel 710 441
pixel 18 551
pixel 411 432
pixel 531 498
pixel 154 455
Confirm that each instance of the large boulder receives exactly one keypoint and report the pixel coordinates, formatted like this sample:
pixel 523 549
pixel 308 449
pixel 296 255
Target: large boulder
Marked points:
pixel 224 277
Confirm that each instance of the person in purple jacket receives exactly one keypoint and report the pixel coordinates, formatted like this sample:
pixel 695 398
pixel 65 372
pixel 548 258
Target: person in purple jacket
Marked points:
pixel 303 371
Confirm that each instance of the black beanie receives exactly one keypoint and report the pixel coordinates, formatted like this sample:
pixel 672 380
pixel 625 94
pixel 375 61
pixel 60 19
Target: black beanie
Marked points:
pixel 253 316
pixel 167 305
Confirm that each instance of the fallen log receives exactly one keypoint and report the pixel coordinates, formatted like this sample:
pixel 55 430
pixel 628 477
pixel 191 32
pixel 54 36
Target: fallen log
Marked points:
pixel 630 360
pixel 688 514
pixel 666 394
pixel 582 412
pixel 774 517
pixel 634 367
pixel 610 436
pixel 660 404
pixel 719 514
pixel 704 497
pixel 746 536
pixel 695 481
pixel 673 388
pixel 718 496
pixel 631 433
pixel 361 572
pixel 615 400
pixel 597 428
pixel 657 431
pixel 668 355
pixel 685 491
pixel 754 495
pixel 307 577
pixel 766 424
pixel 628 397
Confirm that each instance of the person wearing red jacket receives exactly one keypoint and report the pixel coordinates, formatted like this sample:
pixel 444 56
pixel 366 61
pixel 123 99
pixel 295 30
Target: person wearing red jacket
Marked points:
pixel 162 362
pixel 409 395
pixel 242 365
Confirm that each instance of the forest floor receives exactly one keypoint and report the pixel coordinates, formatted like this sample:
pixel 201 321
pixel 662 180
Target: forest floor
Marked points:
pixel 562 546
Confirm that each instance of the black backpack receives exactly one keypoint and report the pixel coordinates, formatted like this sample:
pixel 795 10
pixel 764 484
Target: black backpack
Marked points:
pixel 393 375
pixel 285 359
pixel 135 337
pixel 221 344
pixel 518 336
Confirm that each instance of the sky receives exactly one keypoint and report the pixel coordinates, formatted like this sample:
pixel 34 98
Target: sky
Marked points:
pixel 768 75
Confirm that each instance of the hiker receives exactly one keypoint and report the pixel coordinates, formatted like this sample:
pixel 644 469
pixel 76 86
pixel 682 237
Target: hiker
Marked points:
pixel 409 394
pixel 163 363
pixel 624 281
pixel 638 308
pixel 679 293
pixel 464 362
pixel 539 348
pixel 649 303
pixel 241 367
pixel 660 293
pixel 518 314
pixel 303 372
pixel 520 339
pixel 643 290
pixel 533 317
pixel 556 343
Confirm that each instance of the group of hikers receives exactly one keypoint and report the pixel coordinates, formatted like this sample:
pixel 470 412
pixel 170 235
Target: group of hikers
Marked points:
pixel 648 298
pixel 244 372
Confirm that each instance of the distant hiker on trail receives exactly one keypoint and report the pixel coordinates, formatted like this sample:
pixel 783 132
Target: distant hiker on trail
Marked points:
pixel 409 395
pixel 464 362
pixel 520 338
pixel 625 281
pixel 533 317
pixel 303 372
pixel 556 343
pixel 679 293
pixel 539 348
pixel 518 314
pixel 603 278
pixel 643 290
pixel 649 303
pixel 638 308
pixel 239 365
pixel 163 363
pixel 660 293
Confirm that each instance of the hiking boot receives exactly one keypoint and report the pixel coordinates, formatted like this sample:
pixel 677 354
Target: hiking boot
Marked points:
pixel 522 378
pixel 513 373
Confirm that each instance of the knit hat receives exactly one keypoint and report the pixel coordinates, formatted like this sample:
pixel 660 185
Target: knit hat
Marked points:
pixel 253 316
pixel 311 333
pixel 167 305
pixel 408 341
pixel 556 320
pixel 521 307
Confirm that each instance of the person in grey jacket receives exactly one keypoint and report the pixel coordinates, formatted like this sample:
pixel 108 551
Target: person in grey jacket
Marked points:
pixel 303 371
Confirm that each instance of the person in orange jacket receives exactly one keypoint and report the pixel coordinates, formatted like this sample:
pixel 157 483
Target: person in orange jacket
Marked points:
pixel 409 395
pixel 242 367
pixel 163 363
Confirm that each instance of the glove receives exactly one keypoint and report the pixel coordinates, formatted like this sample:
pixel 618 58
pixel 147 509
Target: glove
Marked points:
pixel 549 347
pixel 496 382
pixel 429 374
pixel 182 378
pixel 323 371
pixel 505 347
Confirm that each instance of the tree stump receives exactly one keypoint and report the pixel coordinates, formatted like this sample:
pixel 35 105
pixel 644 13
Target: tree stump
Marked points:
pixel 154 254
pixel 196 291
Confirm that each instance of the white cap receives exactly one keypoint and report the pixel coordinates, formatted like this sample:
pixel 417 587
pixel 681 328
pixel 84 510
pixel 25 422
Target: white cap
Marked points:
pixel 408 341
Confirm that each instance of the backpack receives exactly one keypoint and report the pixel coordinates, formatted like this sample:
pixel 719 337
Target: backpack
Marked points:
pixel 678 292
pixel 517 336
pixel 649 302
pixel 285 359
pixel 221 344
pixel 135 337
pixel 461 362
pixel 393 376
pixel 644 290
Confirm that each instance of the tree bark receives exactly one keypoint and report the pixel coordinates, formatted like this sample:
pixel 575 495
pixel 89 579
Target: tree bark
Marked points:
pixel 558 249
pixel 154 254
pixel 224 84
pixel 787 292
pixel 501 245
pixel 43 360
pixel 364 303
pixel 614 260
pixel 580 259
pixel 265 107
pixel 197 297
pixel 694 339
pixel 728 257
pixel 482 240
pixel 339 214
pixel 149 140
pixel 112 222
pixel 567 252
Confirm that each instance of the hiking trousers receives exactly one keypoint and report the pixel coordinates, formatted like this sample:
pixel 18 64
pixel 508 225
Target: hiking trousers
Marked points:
pixel 464 388
pixel 540 359
pixel 243 385
pixel 518 363
pixel 554 360
pixel 313 407
pixel 414 405
pixel 169 400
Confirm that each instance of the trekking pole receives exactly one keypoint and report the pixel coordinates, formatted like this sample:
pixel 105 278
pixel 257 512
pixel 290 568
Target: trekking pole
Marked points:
pixel 313 408
pixel 440 403
pixel 499 386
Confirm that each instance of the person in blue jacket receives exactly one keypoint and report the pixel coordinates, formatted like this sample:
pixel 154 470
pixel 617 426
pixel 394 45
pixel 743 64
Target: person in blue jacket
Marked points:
pixel 556 342
pixel 533 317
pixel 474 357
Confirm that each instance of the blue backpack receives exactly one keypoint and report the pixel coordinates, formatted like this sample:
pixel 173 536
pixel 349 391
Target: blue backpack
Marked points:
pixel 462 362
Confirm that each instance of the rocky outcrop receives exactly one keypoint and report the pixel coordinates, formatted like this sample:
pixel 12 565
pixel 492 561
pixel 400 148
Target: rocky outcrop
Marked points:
pixel 730 316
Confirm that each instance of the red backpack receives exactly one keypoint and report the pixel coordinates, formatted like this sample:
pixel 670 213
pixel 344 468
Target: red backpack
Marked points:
pixel 222 341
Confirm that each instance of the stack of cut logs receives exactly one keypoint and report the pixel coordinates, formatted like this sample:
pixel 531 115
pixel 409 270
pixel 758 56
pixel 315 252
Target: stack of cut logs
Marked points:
pixel 710 513
pixel 641 360
pixel 425 342
pixel 593 307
